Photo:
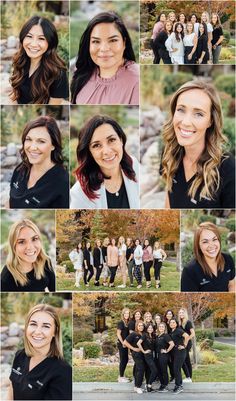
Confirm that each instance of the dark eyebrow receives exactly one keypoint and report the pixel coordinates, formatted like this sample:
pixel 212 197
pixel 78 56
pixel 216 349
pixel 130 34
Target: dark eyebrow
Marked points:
pixel 108 137
pixel 21 239
pixel 34 321
pixel 195 108
pixel 110 37
pixel 207 239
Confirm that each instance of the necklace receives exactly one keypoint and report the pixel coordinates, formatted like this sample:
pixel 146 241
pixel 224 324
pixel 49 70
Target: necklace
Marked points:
pixel 114 187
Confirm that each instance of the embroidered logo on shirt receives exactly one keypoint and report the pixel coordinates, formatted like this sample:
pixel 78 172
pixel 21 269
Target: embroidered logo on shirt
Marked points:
pixel 205 197
pixel 228 271
pixel 38 382
pixel 17 371
pixel 27 201
pixel 193 201
pixel 204 281
pixel 174 181
pixel 15 184
pixel 30 386
pixel 36 200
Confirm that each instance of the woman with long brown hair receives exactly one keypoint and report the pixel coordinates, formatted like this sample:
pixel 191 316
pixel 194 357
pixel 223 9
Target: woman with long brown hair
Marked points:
pixel 197 170
pixel 39 74
pixel 211 269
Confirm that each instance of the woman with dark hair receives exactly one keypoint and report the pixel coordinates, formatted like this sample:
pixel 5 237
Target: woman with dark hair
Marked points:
pixel 39 74
pixel 159 43
pixel 169 314
pixel 106 72
pixel 130 260
pixel 77 258
pixel 202 51
pixel 97 261
pixel 107 177
pixel 217 37
pixel 174 44
pixel 138 261
pixel 163 347
pixel 211 269
pixel 137 315
pixel 112 260
pixel 88 264
pixel 33 181
pixel 159 256
pixel 198 172
pixel 39 370
pixel 147 262
pixel 147 345
pixel 158 27
pixel 194 20
pixel 123 332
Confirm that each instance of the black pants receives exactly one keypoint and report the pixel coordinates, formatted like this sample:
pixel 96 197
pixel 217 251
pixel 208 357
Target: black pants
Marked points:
pixel 187 366
pixel 155 52
pixel 98 272
pixel 87 277
pixel 179 358
pixel 139 368
pixel 187 51
pixel 113 270
pixel 124 357
pixel 164 55
pixel 151 368
pixel 162 363
pixel 138 273
pixel 171 363
pixel 157 268
pixel 147 266
pixel 130 266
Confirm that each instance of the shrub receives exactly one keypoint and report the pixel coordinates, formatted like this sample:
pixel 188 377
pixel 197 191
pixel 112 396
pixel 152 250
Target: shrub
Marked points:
pixel 225 83
pixel 91 349
pixel 202 335
pixel 230 224
pixel 204 218
pixel 69 266
pixel 173 81
pixel 226 37
pixel 82 334
pixel 108 348
pixel 67 343
pixel 228 130
pixel 231 109
pixel 225 54
pixel 208 358
pixel 187 253
pixel 205 344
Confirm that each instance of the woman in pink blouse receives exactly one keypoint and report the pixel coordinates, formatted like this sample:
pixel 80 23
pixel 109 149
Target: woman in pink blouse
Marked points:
pixel 106 72
pixel 147 261
pixel 158 27
pixel 112 260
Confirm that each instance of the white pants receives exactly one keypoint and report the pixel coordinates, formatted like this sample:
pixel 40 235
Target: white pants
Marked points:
pixel 78 276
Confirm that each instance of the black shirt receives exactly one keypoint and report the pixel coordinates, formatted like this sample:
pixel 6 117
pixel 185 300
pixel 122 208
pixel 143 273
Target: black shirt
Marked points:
pixel 34 285
pixel 132 325
pixel 133 339
pixel 87 256
pixel 162 342
pixel 97 257
pixel 51 379
pixel 124 330
pixel 187 330
pixel 59 88
pixel 223 198
pixel 148 342
pixel 159 41
pixel 202 46
pixel 217 32
pixel 129 252
pixel 193 278
pixel 104 253
pixel 118 202
pixel 51 191
pixel 177 336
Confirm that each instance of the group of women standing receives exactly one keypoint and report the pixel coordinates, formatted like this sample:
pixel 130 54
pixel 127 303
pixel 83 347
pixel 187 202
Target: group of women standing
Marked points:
pixel 129 257
pixel 184 40
pixel 156 344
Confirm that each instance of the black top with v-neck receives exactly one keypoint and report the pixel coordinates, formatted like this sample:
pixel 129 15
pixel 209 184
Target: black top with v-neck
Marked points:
pixel 58 89
pixel 194 279
pixel 51 379
pixel 224 197
pixel 51 191
pixel 118 200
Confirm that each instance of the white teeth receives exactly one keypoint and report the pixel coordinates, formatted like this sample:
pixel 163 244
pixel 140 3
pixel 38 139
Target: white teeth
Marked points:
pixel 110 159
pixel 186 133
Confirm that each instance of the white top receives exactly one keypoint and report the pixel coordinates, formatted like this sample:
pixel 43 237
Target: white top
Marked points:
pixel 171 43
pixel 157 254
pixel 188 39
pixel 77 258
pixel 196 28
pixel 78 199
pixel 138 253
pixel 209 27
pixel 122 249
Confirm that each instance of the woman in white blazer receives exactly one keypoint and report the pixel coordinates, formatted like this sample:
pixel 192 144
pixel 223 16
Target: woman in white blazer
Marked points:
pixel 107 177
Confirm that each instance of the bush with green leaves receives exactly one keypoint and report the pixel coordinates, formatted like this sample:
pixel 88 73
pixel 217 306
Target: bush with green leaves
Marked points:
pixel 225 83
pixel 230 224
pixel 226 38
pixel 205 334
pixel 172 82
pixel 69 266
pixel 205 217
pixel 187 252
pixel 229 131
pixel 91 349
pixel 67 341
pixel 82 334
pixel 225 54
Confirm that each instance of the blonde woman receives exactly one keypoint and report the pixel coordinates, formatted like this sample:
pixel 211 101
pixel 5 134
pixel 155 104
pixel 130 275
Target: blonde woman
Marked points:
pixel 147 318
pixel 211 270
pixel 28 268
pixel 39 371
pixel 122 261
pixel 105 269
pixel 197 171
pixel 122 333
pixel 187 326
pixel 190 44
pixel 158 256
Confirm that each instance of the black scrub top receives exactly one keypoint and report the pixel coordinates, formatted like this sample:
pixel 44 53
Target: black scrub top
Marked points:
pixel 187 330
pixel 216 34
pixel 193 278
pixel 51 191
pixel 148 342
pixel 223 198
pixel 162 342
pixel 8 283
pixel 51 379
pixel 124 330
pixel 177 336
pixel 58 89
pixel 202 46
pixel 132 325
pixel 118 202
pixel 133 339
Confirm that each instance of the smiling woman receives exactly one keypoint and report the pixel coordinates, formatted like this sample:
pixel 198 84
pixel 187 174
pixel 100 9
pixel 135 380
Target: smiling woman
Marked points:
pixel 107 176
pixel 39 371
pixel 197 171
pixel 106 72
pixel 28 268
pixel 32 183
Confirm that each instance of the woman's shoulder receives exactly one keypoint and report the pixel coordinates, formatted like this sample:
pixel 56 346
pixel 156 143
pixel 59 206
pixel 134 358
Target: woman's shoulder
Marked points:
pixel 228 259
pixel 7 280
pixel 78 197
pixel 19 355
pixel 60 171
pixel 62 367
pixel 227 163
pixel 191 266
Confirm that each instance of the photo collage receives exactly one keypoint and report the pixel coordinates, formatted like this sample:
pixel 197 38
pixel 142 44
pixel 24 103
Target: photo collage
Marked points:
pixel 118 237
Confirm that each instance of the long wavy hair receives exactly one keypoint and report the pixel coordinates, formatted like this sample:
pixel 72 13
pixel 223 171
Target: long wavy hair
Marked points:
pixel 89 173
pixel 218 22
pixel 84 64
pixel 198 253
pixel 179 35
pixel 183 321
pixel 55 135
pixel 49 70
pixel 207 178
pixel 13 262
pixel 56 343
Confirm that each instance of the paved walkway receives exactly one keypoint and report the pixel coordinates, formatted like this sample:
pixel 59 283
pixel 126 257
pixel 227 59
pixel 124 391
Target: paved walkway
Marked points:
pixel 225 340
pixel 117 391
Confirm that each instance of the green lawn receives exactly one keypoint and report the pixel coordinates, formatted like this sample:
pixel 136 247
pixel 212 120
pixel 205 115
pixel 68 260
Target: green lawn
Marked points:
pixel 169 282
pixel 223 370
